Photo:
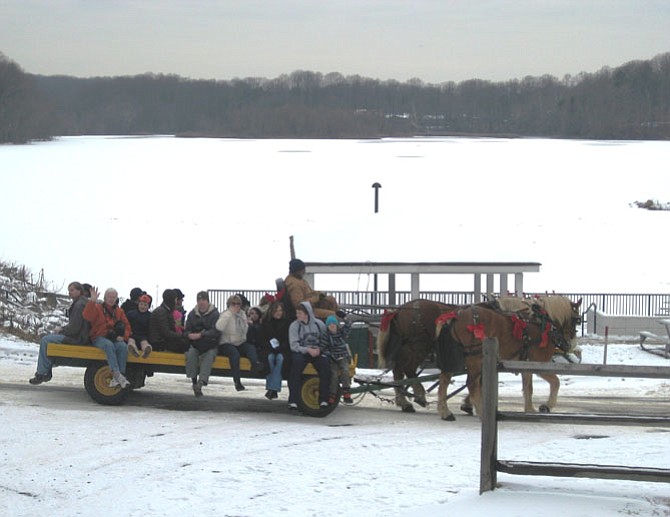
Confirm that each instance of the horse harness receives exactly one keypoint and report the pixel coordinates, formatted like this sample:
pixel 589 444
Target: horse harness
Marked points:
pixel 543 321
pixel 417 325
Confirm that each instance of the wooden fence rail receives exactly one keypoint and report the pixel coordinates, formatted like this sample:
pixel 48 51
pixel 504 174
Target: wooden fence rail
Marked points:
pixel 491 465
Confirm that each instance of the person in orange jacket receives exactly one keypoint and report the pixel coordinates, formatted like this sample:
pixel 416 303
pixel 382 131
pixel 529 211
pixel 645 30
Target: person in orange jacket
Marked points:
pixel 110 331
pixel 300 291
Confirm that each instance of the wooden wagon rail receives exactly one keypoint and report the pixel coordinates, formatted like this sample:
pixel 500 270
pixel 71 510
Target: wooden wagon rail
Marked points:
pixel 491 465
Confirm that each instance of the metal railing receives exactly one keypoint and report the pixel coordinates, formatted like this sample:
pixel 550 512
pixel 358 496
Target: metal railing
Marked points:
pixel 616 304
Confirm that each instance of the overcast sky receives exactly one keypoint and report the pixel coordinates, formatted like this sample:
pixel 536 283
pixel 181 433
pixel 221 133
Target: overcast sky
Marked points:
pixel 433 40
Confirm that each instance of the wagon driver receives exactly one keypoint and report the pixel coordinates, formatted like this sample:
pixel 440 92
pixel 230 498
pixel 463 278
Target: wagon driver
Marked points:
pixel 300 291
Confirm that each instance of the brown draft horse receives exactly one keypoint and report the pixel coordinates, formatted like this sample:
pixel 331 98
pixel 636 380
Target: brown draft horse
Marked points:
pixel 519 338
pixel 406 338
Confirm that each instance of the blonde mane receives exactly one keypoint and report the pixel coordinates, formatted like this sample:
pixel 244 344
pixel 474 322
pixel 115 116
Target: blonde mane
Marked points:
pixel 514 304
pixel 559 309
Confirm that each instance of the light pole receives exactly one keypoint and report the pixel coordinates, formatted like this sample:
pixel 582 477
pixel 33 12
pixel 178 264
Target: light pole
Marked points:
pixel 376 186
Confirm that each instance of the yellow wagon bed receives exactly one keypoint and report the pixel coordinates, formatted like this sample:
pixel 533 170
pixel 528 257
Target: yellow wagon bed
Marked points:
pixel 98 374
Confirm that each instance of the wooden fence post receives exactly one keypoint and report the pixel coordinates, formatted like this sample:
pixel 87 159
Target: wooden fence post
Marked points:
pixel 489 404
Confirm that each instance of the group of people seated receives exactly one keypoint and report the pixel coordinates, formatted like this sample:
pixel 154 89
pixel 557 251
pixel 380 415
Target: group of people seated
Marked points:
pixel 279 337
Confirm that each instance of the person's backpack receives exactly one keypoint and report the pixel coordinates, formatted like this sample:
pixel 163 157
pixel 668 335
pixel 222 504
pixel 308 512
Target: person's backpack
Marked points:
pixel 283 297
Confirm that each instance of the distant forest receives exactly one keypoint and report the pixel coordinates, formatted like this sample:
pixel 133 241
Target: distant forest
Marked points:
pixel 631 101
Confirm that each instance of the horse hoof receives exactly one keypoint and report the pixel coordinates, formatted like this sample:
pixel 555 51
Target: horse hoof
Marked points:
pixel 544 409
pixel 467 409
pixel 408 409
pixel 421 402
pixel 449 418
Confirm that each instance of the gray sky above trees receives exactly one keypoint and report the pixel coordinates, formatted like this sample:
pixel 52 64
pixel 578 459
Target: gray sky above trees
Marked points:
pixel 433 40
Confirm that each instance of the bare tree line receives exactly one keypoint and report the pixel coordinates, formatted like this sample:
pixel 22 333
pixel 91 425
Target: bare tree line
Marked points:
pixel 24 113
pixel 628 102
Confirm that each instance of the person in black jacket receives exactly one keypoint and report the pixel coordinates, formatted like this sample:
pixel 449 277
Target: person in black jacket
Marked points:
pixel 131 303
pixel 254 316
pixel 201 332
pixel 139 323
pixel 274 349
pixel 74 333
pixel 162 334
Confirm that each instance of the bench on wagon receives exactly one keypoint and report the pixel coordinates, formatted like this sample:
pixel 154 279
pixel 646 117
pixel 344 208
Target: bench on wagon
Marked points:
pixel 98 374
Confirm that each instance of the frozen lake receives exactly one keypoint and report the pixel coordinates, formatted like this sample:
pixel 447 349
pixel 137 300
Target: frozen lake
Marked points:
pixel 161 212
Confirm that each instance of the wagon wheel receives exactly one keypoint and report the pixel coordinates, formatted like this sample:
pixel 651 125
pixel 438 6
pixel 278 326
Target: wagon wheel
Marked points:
pixel 96 382
pixel 308 401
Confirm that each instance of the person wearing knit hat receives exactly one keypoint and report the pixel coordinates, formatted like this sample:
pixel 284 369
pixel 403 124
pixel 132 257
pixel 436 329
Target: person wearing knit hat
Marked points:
pixel 139 324
pixel 337 349
pixel 162 333
pixel 299 290
pixel 131 303
pixel 296 265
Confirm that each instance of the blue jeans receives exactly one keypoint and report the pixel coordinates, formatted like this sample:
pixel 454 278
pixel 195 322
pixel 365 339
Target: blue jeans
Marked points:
pixel 43 363
pixel 234 352
pixel 116 352
pixel 273 380
pixel 298 362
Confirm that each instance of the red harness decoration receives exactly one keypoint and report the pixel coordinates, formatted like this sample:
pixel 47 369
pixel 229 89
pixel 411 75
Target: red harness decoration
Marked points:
pixel 269 298
pixel 387 318
pixel 545 336
pixel 477 330
pixel 445 318
pixel 519 327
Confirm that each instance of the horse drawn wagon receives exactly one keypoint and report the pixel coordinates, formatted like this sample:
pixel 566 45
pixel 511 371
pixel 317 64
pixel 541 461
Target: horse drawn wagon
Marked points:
pixel 406 344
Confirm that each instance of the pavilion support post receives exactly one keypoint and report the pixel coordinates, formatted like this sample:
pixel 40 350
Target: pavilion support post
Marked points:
pixel 503 284
pixel 478 287
pixel 518 284
pixel 415 287
pixel 490 289
pixel 392 294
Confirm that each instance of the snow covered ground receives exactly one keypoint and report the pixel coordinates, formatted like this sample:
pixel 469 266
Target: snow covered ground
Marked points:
pixel 166 453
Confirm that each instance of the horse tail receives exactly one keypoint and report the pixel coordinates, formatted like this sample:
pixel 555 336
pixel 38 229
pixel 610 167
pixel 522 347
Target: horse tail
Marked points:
pixel 384 351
